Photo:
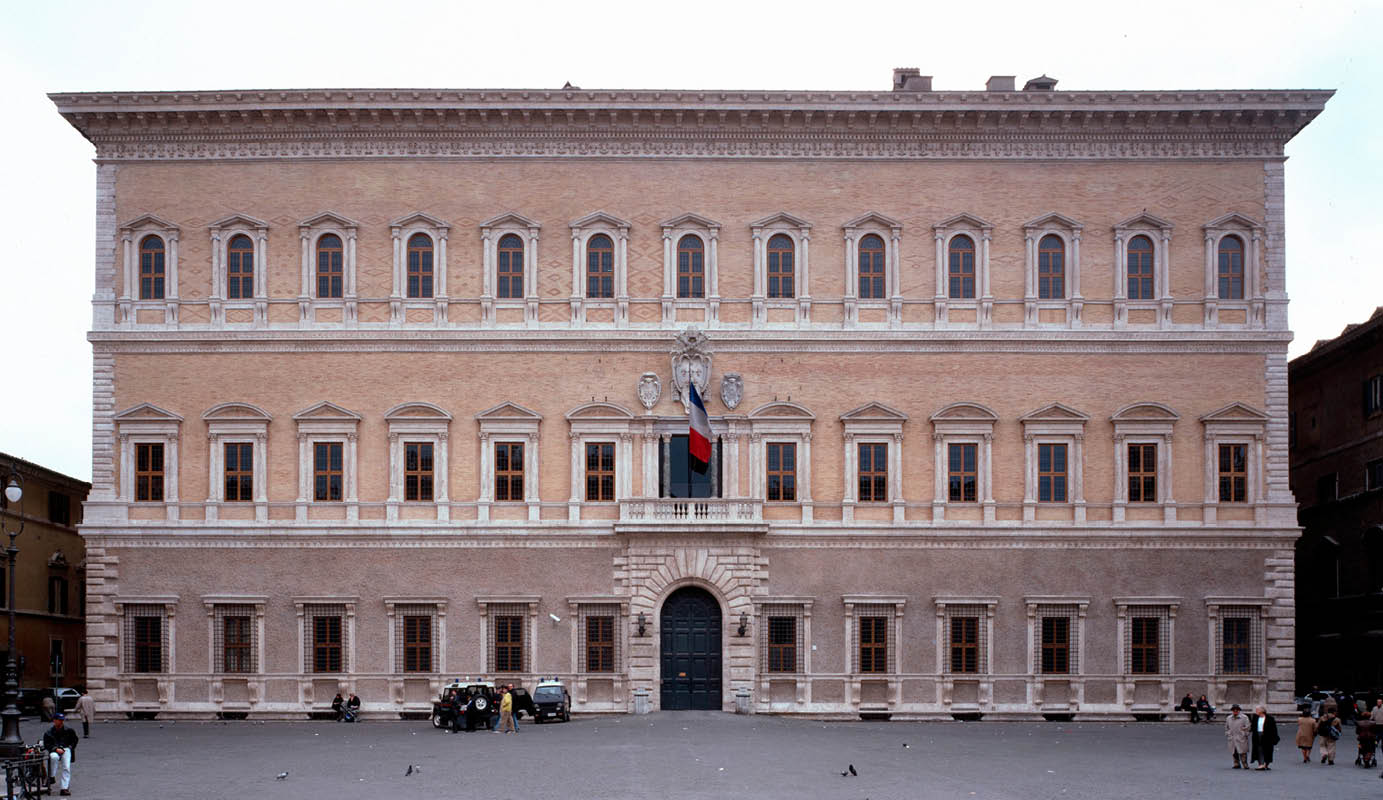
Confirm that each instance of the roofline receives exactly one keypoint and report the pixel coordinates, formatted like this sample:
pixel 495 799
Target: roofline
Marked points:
pixel 23 465
pixel 1323 351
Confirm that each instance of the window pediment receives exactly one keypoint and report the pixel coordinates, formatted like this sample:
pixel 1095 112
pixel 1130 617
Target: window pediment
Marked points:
pixel 236 412
pixel 962 221
pixel 417 410
pixel 510 219
pixel 1055 412
pixel 600 411
pixel 781 410
pixel 781 219
pixel 238 221
pixel 874 218
pixel 147 412
pixel 1053 220
pixel 690 220
pixel 1144 220
pixel 149 222
pixel 328 219
pixel 508 411
pixel 600 219
pixel 965 412
pixel 1145 412
pixel 874 412
pixel 1235 412
pixel 419 219
pixel 1232 221
pixel 326 411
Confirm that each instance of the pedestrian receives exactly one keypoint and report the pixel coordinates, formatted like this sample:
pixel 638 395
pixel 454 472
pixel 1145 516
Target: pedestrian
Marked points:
pixel 1363 733
pixel 1330 705
pixel 1328 728
pixel 1377 714
pixel 506 711
pixel 86 709
pixel 1237 735
pixel 494 709
pixel 60 743
pixel 514 711
pixel 1306 735
pixel 1263 738
pixel 1203 706
pixel 47 708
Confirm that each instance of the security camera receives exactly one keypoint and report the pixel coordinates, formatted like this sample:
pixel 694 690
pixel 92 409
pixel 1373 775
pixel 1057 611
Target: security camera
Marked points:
pixel 555 618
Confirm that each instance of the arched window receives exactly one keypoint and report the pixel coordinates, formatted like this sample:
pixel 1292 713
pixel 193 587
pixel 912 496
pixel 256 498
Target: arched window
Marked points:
pixel 510 267
pixel 871 268
pixel 1231 268
pixel 780 268
pixel 1051 268
pixel 600 266
pixel 240 268
pixel 1140 268
pixel 691 267
pixel 419 265
pixel 961 261
pixel 151 268
pixel 329 270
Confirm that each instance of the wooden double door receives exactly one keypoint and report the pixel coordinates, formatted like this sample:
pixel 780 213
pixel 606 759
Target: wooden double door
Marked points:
pixel 690 650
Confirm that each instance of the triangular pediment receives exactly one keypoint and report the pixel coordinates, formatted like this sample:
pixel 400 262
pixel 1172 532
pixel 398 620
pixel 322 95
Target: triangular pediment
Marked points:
pixel 328 219
pixel 1145 220
pixel 965 220
pixel 874 411
pixel 873 218
pixel 510 219
pixel 237 411
pixel 326 410
pixel 508 411
pixel 417 410
pixel 965 412
pixel 1145 412
pixel 600 410
pixel 149 412
pixel 781 218
pixel 1235 412
pixel 149 221
pixel 780 409
pixel 419 219
pixel 600 218
pixel 1053 220
pixel 690 220
pixel 238 221
pixel 1233 220
pixel 1055 412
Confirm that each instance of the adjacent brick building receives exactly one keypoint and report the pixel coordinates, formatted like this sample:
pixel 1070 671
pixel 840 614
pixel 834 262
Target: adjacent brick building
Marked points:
pixel 1337 475
pixel 391 386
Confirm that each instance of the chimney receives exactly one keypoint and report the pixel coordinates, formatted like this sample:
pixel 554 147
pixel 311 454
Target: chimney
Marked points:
pixel 907 79
pixel 1042 83
pixel 1000 83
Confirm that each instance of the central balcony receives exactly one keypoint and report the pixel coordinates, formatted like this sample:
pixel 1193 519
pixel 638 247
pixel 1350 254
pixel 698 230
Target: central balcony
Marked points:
pixel 707 513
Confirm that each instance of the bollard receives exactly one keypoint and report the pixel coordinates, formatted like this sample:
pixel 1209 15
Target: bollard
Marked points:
pixel 641 705
pixel 742 700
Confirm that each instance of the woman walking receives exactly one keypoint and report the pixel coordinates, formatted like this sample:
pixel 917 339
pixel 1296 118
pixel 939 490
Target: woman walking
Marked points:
pixel 1306 735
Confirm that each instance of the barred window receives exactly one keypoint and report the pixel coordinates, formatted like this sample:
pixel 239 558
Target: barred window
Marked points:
pixel 325 634
pixel 1147 640
pixel 967 638
pixel 873 644
pixel 598 645
pixel 234 631
pixel 507 637
pixel 1241 640
pixel 1057 640
pixel 146 638
pixel 782 649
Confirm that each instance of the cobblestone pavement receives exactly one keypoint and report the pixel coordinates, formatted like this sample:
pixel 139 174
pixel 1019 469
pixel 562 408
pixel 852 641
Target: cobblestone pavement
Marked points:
pixel 692 755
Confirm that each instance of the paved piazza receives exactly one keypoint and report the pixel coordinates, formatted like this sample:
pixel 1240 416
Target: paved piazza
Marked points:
pixel 692 755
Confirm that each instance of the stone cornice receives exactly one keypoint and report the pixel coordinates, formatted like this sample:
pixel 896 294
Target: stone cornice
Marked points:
pixel 444 123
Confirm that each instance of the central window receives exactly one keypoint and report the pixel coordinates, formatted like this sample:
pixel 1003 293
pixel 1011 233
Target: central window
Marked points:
pixel 873 473
pixel 691 267
pixel 330 274
pixel 1051 473
pixel 600 472
pixel 239 472
pixel 873 644
pixel 417 471
pixel 683 476
pixel 419 265
pixel 509 471
pixel 510 254
pixel 962 473
pixel 328 471
pixel 781 462
pixel 780 269
pixel 240 268
pixel 961 262
pixel 1051 268
pixel 871 270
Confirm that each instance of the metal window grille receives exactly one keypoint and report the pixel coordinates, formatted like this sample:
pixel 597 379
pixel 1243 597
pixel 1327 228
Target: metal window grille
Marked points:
pixel 325 638
pixel 1146 640
pixel 235 638
pixel 597 644
pixel 978 644
pixel 781 648
pixel 1057 643
pixel 506 634
pixel 415 638
pixel 146 638
pixel 889 660
pixel 1240 634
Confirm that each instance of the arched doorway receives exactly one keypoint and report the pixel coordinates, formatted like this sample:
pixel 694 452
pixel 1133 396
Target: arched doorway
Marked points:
pixel 690 625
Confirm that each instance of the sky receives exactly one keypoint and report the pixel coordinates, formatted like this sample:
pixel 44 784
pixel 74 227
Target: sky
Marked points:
pixel 1334 274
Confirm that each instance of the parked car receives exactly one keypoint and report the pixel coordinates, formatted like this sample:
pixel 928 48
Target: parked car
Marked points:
pixel 553 701
pixel 64 698
pixel 469 698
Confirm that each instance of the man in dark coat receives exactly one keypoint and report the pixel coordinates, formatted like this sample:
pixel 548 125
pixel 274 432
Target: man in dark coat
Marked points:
pixel 1263 730
pixel 59 742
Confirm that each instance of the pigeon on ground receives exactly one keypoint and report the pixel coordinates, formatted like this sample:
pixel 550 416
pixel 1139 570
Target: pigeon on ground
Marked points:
pixel 906 745
pixel 282 776
pixel 409 772
pixel 850 770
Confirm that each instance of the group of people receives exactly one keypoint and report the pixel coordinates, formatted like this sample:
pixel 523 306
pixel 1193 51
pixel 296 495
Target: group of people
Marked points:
pixel 1201 706
pixel 1251 738
pixel 502 714
pixel 346 710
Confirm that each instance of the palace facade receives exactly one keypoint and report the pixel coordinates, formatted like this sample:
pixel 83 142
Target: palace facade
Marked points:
pixel 390 389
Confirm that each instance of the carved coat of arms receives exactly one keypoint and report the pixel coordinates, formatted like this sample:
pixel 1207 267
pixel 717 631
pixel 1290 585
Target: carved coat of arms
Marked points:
pixel 650 389
pixel 731 389
pixel 691 364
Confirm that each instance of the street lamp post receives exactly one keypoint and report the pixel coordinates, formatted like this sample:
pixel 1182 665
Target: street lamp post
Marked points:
pixel 11 743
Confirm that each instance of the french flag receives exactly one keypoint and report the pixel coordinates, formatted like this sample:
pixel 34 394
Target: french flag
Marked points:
pixel 699 437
